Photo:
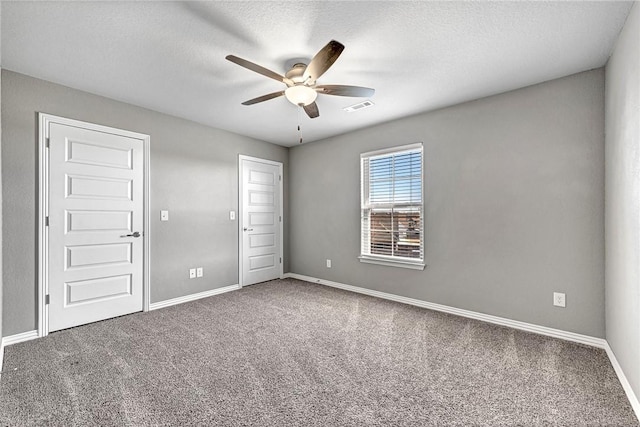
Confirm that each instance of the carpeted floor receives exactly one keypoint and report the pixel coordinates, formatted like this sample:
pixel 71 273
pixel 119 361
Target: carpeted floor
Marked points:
pixel 288 352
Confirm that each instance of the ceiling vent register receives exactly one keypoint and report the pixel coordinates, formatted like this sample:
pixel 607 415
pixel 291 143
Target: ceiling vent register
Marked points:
pixel 359 106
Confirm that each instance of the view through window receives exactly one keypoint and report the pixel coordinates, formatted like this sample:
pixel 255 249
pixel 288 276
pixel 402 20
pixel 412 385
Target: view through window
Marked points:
pixel 392 223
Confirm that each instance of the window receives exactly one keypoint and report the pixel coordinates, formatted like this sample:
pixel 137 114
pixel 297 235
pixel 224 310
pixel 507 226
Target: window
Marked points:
pixel 391 207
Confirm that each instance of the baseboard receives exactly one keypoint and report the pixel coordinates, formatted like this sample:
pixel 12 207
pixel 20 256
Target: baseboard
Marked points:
pixel 528 327
pixel 14 339
pixel 633 399
pixel 26 336
pixel 523 326
pixel 193 297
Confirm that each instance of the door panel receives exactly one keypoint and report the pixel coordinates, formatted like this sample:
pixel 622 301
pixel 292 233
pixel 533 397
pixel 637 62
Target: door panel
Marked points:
pixel 95 200
pixel 89 153
pixel 94 290
pixel 261 222
pixel 257 198
pixel 261 177
pixel 103 220
pixel 261 218
pixel 262 240
pixel 98 255
pixel 92 187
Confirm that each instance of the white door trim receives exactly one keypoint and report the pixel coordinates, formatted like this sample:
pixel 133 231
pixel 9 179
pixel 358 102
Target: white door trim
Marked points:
pixel 242 157
pixel 43 204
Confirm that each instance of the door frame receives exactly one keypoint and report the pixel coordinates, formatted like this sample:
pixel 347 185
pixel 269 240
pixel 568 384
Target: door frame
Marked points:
pixel 242 157
pixel 44 120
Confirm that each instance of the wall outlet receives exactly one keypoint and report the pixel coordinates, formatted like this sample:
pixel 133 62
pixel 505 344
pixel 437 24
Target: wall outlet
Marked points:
pixel 232 215
pixel 328 263
pixel 192 273
pixel 164 215
pixel 559 299
pixel 200 272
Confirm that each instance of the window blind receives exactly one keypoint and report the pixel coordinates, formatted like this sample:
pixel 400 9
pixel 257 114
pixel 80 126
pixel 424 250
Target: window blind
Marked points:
pixel 391 203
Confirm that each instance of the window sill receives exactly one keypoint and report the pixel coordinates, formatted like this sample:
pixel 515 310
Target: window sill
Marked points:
pixel 392 262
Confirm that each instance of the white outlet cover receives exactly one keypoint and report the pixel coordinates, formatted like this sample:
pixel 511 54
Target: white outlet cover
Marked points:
pixel 232 215
pixel 328 263
pixel 559 299
pixel 200 272
pixel 192 273
pixel 164 215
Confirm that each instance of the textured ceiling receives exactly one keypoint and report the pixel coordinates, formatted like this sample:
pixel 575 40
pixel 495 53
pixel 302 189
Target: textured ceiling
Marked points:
pixel 169 56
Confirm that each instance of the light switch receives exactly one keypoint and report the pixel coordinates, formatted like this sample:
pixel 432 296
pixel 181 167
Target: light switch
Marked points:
pixel 232 215
pixel 164 215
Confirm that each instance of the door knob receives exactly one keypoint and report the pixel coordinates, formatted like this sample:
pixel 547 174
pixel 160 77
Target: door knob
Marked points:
pixel 248 229
pixel 134 234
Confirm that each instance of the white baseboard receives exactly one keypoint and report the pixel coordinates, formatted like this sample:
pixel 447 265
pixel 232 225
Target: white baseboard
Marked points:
pixel 633 399
pixel 14 339
pixel 523 326
pixel 543 330
pixel 24 336
pixel 193 297
pixel 529 327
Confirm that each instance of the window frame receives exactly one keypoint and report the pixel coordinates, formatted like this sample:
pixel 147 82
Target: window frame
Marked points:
pixel 390 260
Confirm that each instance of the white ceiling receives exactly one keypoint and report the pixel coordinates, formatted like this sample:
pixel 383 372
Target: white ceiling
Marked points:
pixel 419 56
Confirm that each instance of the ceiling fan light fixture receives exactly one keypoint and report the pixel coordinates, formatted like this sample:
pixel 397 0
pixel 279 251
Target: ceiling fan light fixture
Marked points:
pixel 301 95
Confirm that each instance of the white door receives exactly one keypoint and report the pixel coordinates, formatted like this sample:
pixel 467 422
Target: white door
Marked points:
pixel 95 243
pixel 260 220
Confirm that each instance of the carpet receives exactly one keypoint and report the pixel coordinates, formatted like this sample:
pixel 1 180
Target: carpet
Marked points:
pixel 292 353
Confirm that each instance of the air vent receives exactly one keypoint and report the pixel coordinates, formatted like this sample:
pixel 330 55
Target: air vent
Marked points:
pixel 359 106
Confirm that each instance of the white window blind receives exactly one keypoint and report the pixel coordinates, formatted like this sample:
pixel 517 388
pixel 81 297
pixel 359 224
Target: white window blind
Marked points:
pixel 391 205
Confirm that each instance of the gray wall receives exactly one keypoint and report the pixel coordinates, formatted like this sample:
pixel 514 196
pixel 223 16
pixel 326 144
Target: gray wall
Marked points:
pixel 1 247
pixel 514 187
pixel 622 206
pixel 193 175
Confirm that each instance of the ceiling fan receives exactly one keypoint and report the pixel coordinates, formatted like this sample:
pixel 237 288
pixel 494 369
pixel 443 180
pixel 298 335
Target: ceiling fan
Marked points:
pixel 302 89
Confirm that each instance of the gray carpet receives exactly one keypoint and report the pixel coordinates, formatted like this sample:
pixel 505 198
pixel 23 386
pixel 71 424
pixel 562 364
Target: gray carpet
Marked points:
pixel 289 352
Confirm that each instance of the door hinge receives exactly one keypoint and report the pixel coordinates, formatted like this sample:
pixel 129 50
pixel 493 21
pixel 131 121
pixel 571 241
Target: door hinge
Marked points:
pixel 48 142
pixel 279 177
pixel 280 260
pixel 280 218
pixel 46 221
pixel 46 299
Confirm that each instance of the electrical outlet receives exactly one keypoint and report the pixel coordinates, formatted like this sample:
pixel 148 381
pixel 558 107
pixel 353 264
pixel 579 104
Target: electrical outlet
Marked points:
pixel 328 263
pixel 232 215
pixel 200 272
pixel 192 273
pixel 559 299
pixel 164 215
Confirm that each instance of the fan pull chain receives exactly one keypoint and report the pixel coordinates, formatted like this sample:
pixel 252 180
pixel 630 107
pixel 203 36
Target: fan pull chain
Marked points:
pixel 299 129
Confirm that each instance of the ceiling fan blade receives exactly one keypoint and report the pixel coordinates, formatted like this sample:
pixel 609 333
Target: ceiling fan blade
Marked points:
pixel 342 90
pixel 312 110
pixel 263 98
pixel 259 69
pixel 323 60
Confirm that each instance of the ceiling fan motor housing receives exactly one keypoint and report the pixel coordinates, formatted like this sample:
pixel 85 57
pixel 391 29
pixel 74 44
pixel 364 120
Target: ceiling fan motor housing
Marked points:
pixel 296 72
